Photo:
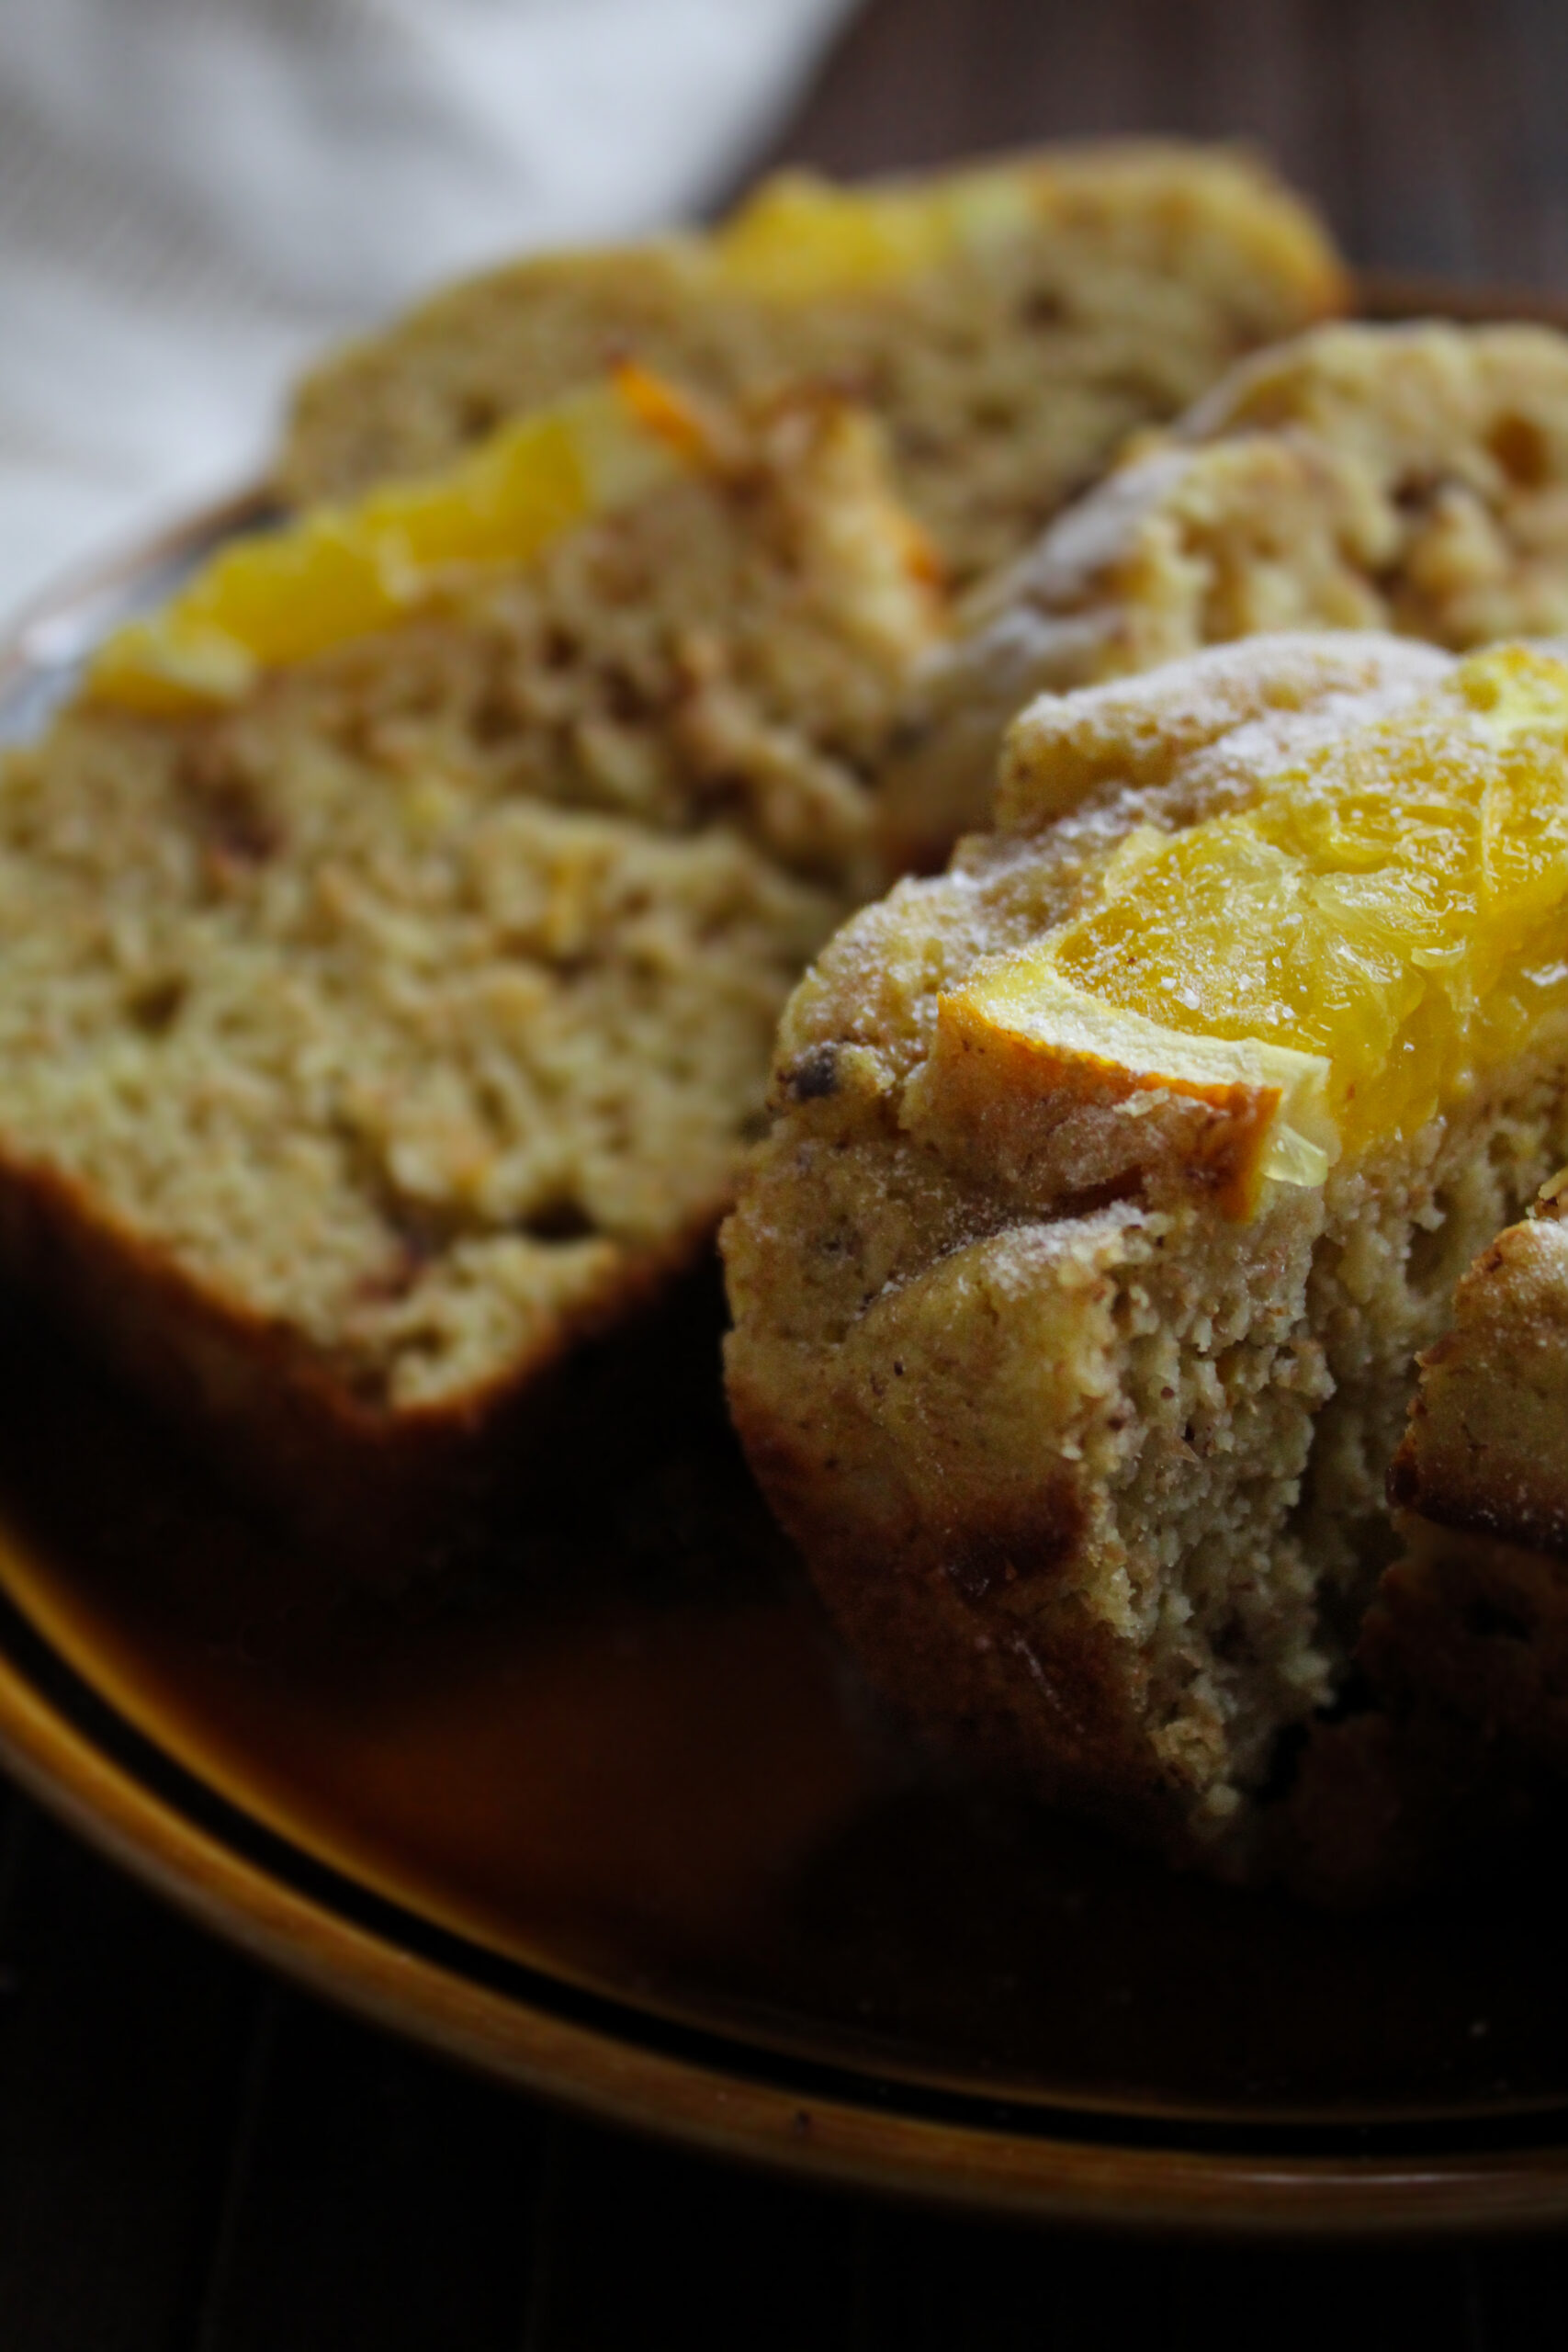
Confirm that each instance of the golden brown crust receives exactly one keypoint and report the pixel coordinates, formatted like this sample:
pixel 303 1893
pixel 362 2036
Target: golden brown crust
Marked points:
pixel 378 1493
pixel 954 1563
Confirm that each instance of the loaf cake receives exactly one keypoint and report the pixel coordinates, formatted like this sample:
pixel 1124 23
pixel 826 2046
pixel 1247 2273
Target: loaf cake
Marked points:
pixel 1115 1181
pixel 396 926
pixel 1474 1613
pixel 1011 323
pixel 1410 478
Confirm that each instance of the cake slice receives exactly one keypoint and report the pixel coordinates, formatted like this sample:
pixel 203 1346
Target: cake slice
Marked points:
pixel 1011 323
pixel 1410 478
pixel 1475 1616
pixel 1118 1176
pixel 396 926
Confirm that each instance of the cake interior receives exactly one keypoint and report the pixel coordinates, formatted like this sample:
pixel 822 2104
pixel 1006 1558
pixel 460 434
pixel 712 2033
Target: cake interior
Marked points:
pixel 1121 1175
pixel 413 996
pixel 1010 323
pixel 1372 944
pixel 1268 1387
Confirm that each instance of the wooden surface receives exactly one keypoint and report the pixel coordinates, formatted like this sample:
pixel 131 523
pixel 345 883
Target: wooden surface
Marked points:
pixel 194 2158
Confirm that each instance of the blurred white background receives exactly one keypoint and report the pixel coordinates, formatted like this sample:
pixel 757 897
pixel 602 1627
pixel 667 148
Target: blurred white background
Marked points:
pixel 197 194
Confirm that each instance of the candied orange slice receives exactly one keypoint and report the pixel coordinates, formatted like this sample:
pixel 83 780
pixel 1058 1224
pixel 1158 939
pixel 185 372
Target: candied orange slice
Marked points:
pixel 801 237
pixel 1334 963
pixel 340 572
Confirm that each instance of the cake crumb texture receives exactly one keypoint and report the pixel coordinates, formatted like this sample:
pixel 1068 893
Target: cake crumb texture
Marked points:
pixel 1089 1470
pixel 1408 477
pixel 382 1031
pixel 1011 323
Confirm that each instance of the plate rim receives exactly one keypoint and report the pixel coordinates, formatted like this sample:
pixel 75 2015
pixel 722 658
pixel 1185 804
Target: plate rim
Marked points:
pixel 851 2142
pixel 615 2077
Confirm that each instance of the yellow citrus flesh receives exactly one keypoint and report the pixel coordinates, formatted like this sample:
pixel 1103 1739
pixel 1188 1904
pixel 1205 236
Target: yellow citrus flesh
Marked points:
pixel 342 572
pixel 1390 915
pixel 801 237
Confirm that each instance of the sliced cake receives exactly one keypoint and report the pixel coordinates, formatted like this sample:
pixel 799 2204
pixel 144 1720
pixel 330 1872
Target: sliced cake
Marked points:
pixel 396 926
pixel 1011 323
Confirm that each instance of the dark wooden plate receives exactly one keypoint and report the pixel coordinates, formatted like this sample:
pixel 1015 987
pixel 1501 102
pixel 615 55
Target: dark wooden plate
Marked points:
pixel 611 1817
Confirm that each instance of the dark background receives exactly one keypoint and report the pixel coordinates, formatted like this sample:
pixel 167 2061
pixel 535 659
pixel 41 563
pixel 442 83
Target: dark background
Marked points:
pixel 192 2157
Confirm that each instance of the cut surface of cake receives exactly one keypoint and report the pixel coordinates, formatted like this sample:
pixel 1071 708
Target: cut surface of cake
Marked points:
pixel 1410 478
pixel 1011 323
pixel 1117 1178
pixel 1475 1616
pixel 396 926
